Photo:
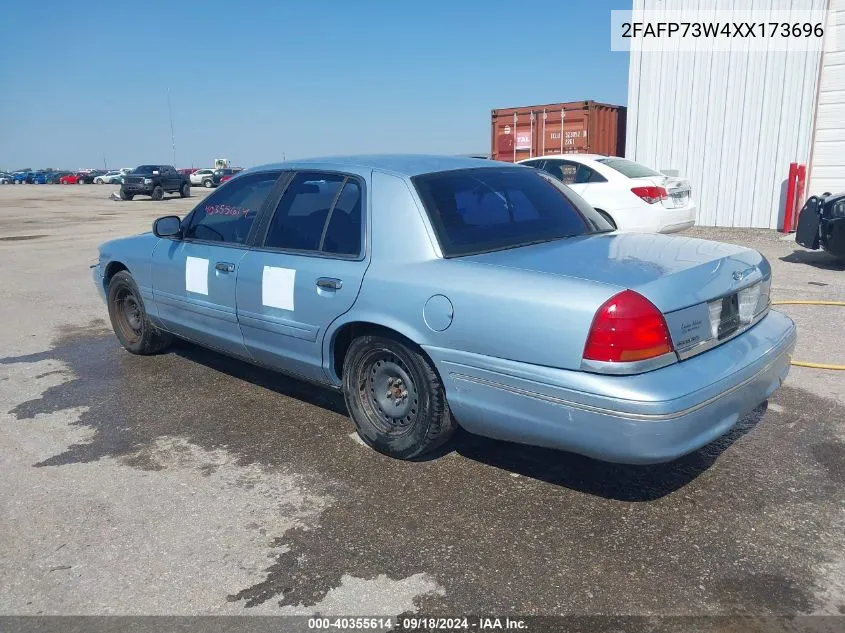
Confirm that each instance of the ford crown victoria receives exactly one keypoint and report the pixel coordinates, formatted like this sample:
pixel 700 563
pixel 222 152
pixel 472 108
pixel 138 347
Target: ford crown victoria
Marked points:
pixel 437 291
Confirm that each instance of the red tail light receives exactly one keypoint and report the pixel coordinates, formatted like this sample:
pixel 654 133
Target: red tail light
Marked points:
pixel 627 327
pixel 650 194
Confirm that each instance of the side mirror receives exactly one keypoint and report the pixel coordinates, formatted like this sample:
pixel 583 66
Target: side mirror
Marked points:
pixel 156 172
pixel 168 226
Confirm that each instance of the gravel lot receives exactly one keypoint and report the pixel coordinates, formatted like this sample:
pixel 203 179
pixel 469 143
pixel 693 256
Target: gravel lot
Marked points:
pixel 189 483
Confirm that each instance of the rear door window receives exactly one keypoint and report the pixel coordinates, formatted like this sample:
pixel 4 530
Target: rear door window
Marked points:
pixel 319 212
pixel 571 173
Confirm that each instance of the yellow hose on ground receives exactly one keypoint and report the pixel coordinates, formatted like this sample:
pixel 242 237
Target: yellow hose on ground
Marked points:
pixel 807 302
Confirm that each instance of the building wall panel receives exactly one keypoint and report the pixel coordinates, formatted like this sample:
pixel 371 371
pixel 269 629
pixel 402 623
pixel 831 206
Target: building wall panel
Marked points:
pixel 729 121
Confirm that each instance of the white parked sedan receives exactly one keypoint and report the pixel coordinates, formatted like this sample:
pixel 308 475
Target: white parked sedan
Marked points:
pixel 109 178
pixel 200 176
pixel 630 196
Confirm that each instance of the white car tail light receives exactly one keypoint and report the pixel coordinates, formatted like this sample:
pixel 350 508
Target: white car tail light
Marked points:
pixel 650 194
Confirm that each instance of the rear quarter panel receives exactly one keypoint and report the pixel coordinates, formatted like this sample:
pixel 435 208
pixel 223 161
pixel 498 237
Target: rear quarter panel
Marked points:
pixel 505 313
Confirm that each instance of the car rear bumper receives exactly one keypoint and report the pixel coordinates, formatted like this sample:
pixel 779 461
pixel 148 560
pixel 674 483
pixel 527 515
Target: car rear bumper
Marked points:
pixel 654 218
pixel 672 220
pixel 646 418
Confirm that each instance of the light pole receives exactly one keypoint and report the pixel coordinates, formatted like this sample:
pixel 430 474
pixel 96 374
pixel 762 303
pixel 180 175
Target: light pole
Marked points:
pixel 172 136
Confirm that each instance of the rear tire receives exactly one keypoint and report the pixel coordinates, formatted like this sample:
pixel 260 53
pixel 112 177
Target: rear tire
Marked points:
pixel 129 318
pixel 395 397
pixel 185 191
pixel 158 193
pixel 207 184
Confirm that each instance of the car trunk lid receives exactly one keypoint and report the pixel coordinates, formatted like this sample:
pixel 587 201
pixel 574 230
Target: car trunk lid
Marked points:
pixel 671 272
pixel 707 291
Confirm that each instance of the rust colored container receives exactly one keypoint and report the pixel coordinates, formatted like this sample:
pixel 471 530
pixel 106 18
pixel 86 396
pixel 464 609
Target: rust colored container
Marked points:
pixel 577 127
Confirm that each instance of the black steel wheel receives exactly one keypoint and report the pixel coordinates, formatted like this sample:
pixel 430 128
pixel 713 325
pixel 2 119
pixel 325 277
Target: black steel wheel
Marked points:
pixel 388 392
pixel 129 318
pixel 395 397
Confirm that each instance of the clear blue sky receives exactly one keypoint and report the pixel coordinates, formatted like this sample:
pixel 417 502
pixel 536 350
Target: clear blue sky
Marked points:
pixel 254 80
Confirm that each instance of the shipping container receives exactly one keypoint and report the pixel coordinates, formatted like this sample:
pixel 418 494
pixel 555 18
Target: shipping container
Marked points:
pixel 577 127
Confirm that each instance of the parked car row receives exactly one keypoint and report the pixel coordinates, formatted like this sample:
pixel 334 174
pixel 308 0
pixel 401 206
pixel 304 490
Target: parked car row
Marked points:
pixel 53 177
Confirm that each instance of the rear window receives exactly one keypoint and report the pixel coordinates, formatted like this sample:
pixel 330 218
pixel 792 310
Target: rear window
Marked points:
pixel 480 210
pixel 628 168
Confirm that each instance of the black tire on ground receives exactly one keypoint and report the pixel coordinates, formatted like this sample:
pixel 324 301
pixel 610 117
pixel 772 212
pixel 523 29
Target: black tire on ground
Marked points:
pixel 607 217
pixel 129 318
pixel 98 181
pixel 126 196
pixel 80 181
pixel 185 191
pixel 207 184
pixel 158 193
pixel 395 397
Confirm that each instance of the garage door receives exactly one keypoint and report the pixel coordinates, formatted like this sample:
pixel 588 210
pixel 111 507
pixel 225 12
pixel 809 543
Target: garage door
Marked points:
pixel 827 166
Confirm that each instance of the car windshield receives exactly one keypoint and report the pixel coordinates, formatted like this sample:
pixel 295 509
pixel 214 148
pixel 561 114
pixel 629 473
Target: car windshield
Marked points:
pixel 629 168
pixel 145 169
pixel 487 209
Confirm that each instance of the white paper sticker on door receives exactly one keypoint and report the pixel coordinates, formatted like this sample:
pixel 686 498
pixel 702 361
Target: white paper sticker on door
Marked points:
pixel 277 287
pixel 196 275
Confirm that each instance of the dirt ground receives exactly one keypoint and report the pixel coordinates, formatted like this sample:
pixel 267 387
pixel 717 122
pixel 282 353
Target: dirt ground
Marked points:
pixel 190 483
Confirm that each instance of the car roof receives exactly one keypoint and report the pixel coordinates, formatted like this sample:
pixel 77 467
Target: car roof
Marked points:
pixel 400 164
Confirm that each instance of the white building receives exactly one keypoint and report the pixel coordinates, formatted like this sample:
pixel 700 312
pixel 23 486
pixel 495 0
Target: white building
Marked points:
pixel 731 122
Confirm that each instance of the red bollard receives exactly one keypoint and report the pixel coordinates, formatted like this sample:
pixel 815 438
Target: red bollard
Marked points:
pixel 789 207
pixel 800 183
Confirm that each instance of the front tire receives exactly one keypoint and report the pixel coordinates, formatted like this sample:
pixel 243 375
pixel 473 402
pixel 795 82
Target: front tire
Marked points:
pixel 129 318
pixel 185 191
pixel 395 397
pixel 126 196
pixel 158 193
pixel 98 181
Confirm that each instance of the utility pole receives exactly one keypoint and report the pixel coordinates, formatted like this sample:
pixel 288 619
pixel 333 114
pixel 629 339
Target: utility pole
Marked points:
pixel 172 136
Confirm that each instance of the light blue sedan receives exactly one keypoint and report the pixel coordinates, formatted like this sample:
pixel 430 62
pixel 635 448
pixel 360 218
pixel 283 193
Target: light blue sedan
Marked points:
pixel 437 291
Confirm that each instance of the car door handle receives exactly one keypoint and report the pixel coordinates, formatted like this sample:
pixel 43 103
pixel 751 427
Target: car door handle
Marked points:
pixel 225 267
pixel 329 283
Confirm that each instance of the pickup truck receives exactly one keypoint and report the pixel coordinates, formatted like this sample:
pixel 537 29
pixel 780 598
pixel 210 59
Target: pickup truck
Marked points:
pixel 154 181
